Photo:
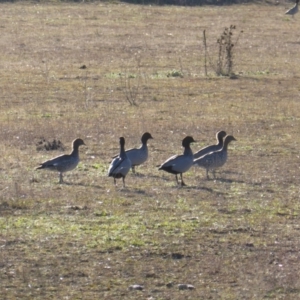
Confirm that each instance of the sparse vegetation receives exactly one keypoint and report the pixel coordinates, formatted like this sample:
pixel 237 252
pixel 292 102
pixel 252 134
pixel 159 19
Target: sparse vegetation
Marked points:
pixel 225 53
pixel 225 57
pixel 236 237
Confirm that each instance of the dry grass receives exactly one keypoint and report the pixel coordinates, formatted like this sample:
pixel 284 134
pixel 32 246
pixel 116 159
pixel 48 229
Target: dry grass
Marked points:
pixel 233 238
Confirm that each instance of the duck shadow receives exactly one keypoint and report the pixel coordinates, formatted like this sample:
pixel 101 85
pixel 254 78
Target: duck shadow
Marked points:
pixel 141 175
pixel 80 184
pixel 190 187
pixel 117 188
pixel 149 176
pixel 226 180
pixel 222 179
pixel 198 188
pixel 138 175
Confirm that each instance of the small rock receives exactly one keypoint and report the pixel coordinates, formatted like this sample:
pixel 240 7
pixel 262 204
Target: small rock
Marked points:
pixel 177 255
pixel 76 207
pixel 186 287
pixel 136 287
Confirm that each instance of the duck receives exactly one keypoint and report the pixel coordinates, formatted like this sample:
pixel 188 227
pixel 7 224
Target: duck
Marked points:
pixel 138 156
pixel 120 166
pixel 219 136
pixel 179 164
pixel 65 162
pixel 214 160
pixel 292 11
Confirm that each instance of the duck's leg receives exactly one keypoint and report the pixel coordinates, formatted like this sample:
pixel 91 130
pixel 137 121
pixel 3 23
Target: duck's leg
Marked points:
pixel 61 178
pixel 123 182
pixel 207 177
pixel 115 183
pixel 214 173
pixel 176 179
pixel 182 182
pixel 133 169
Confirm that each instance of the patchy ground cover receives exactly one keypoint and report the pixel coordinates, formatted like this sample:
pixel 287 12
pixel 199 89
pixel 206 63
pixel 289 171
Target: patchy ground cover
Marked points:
pixel 99 71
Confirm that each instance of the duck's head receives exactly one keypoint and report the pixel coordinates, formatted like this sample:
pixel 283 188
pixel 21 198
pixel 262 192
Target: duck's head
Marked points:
pixel 77 143
pixel 228 139
pixel 187 141
pixel 221 135
pixel 122 141
pixel 145 137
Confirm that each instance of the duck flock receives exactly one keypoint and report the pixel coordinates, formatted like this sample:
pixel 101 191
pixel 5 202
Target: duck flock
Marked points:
pixel 209 158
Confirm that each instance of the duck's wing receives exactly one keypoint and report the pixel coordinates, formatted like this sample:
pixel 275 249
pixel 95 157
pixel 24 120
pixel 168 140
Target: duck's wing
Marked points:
pixel 169 162
pixel 292 10
pixel 131 153
pixel 207 150
pixel 177 164
pixel 119 165
pixel 56 162
pixel 205 161
pixel 113 165
pixel 212 160
pixel 137 156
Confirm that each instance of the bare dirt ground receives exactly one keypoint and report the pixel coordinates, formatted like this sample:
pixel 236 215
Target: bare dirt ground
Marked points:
pixel 100 71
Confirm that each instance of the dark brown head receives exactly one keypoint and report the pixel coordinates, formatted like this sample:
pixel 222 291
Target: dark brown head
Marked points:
pixel 77 143
pixel 122 142
pixel 228 139
pixel 187 141
pixel 145 137
pixel 221 135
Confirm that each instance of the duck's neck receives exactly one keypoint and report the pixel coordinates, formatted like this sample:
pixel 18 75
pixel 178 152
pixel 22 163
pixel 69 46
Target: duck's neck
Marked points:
pixel 220 142
pixel 225 146
pixel 188 151
pixel 75 151
pixel 144 142
pixel 122 151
